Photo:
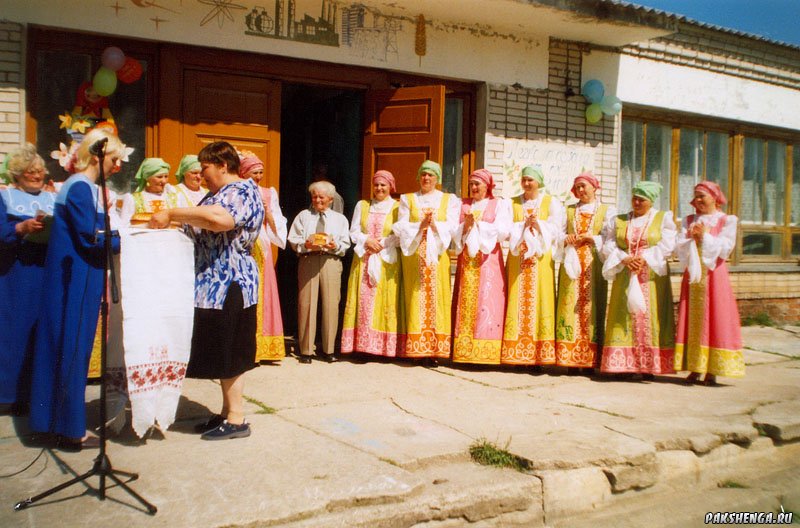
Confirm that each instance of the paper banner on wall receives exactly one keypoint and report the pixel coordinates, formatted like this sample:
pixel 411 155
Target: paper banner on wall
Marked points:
pixel 559 162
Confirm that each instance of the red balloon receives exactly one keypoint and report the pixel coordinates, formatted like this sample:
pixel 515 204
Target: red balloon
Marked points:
pixel 131 71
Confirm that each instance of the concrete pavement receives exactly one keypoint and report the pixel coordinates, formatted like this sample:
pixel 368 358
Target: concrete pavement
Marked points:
pixel 386 444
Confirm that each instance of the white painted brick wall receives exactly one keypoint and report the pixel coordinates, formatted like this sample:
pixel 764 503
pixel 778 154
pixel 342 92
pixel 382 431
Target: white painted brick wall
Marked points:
pixel 11 90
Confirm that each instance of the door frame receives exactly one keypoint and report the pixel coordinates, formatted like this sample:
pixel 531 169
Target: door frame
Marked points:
pixel 168 59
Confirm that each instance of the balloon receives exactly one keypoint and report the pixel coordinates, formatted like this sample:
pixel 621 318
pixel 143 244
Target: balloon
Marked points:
pixel 104 82
pixel 594 113
pixel 113 58
pixel 131 71
pixel 611 105
pixel 593 91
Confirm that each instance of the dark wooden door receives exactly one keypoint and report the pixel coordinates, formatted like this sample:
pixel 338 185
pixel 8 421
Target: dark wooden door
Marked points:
pixel 214 106
pixel 402 128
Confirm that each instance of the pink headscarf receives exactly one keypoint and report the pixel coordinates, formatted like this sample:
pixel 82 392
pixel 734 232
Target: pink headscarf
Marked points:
pixel 713 189
pixel 484 176
pixel 587 177
pixel 249 163
pixel 386 177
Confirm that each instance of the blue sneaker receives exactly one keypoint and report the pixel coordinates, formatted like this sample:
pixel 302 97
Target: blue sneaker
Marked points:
pixel 227 431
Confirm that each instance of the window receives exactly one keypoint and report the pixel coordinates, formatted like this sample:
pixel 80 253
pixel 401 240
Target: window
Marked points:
pixel 61 65
pixel 648 145
pixel 452 166
pixel 766 179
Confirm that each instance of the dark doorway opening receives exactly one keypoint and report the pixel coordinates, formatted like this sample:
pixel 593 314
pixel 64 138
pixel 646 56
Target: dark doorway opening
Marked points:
pixel 319 126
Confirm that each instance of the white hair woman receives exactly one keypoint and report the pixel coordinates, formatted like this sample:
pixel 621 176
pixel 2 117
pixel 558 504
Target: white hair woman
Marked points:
pixel 320 236
pixel 24 212
pixel 74 270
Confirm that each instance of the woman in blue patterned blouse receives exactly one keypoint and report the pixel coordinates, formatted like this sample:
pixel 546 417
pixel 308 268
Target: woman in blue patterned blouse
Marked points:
pixel 224 226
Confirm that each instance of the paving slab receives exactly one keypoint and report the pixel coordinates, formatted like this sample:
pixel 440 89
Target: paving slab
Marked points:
pixel 780 421
pixel 385 430
pixel 773 340
pixel 365 445
pixel 284 473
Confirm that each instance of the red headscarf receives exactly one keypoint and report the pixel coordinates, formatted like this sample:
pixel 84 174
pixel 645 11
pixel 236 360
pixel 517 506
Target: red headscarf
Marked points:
pixel 484 176
pixel 587 177
pixel 386 177
pixel 249 163
pixel 713 189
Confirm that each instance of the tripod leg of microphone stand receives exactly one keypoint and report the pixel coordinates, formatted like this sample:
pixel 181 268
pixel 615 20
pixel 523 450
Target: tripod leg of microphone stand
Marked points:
pixel 21 505
pixel 150 508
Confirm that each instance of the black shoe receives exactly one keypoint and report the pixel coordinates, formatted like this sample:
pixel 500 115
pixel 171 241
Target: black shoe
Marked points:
pixel 329 358
pixel 430 362
pixel 227 431
pixel 648 377
pixel 212 423
pixel 73 446
pixel 305 359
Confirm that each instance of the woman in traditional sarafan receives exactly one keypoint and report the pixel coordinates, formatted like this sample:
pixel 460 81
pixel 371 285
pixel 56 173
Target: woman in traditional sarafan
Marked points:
pixel 152 193
pixel 374 313
pixel 709 337
pixel 538 218
pixel 26 210
pixel 480 285
pixel 269 334
pixel 582 290
pixel 640 331
pixel 426 222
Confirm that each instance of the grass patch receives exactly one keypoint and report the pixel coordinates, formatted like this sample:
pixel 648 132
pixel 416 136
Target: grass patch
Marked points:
pixel 486 453
pixel 759 319
pixel 731 484
pixel 263 408
pixel 389 461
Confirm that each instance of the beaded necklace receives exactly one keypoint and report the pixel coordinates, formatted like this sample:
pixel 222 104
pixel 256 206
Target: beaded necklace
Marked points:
pixel 641 233
pixel 591 219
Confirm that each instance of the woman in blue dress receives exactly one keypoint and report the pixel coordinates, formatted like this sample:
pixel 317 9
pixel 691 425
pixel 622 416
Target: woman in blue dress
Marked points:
pixel 73 286
pixel 24 208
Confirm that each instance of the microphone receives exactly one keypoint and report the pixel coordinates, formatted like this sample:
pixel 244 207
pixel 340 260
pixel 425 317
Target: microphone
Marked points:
pixel 98 149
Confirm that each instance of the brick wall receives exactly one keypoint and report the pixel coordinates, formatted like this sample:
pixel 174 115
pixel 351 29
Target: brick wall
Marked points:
pixel 539 115
pixel 724 53
pixel 11 89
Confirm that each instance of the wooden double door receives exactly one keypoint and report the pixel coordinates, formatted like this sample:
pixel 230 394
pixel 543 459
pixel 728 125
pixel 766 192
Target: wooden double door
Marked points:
pixel 201 104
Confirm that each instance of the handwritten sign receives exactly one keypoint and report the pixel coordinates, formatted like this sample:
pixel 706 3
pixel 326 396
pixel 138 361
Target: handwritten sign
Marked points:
pixel 559 162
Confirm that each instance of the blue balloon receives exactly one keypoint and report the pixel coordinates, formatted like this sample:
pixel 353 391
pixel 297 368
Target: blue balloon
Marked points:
pixel 611 105
pixel 593 91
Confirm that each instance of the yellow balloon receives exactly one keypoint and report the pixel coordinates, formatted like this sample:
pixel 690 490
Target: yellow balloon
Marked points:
pixel 594 113
pixel 104 81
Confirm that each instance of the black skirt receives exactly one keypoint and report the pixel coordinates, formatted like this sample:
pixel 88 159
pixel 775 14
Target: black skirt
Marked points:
pixel 224 341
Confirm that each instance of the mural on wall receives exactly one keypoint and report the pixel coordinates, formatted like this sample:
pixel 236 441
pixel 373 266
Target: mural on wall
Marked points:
pixel 369 34
pixel 282 23
pixel 560 163
pixel 220 10
pixel 146 4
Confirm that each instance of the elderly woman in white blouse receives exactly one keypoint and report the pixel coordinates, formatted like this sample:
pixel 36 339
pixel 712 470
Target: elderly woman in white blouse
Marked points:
pixel 480 286
pixel 538 217
pixel 709 336
pixel 426 222
pixel 639 337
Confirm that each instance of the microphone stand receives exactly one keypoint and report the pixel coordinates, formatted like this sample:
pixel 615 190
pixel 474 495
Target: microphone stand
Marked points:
pixel 102 464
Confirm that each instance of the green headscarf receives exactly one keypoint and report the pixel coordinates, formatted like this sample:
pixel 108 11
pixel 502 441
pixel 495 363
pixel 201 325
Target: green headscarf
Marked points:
pixel 188 163
pixel 4 177
pixel 533 172
pixel 647 189
pixel 149 168
pixel 430 167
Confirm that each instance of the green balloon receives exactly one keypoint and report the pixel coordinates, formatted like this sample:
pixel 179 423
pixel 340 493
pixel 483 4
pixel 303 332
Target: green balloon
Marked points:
pixel 105 81
pixel 594 113
pixel 611 105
